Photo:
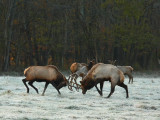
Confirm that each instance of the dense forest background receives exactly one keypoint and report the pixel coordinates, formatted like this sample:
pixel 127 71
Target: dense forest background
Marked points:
pixel 60 32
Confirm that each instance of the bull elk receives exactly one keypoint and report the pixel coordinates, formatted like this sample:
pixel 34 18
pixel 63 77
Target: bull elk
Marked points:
pixel 127 70
pixel 100 73
pixel 81 70
pixel 76 66
pixel 49 74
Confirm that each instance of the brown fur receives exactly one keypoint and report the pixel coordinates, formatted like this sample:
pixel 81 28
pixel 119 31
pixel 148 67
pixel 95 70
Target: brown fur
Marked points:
pixel 73 67
pixel 93 69
pixel 48 74
pixel 79 69
pixel 130 68
pixel 26 70
pixel 100 73
pixel 121 76
pixel 76 66
pixel 127 70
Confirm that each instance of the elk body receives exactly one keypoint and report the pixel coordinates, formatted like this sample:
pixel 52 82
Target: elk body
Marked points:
pixel 127 70
pixel 76 66
pixel 49 74
pixel 81 70
pixel 100 73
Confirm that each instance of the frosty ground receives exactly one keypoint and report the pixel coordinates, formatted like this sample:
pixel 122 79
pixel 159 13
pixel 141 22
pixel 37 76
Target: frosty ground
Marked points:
pixel 143 102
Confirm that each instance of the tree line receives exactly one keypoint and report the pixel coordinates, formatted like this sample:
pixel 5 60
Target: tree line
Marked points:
pixel 60 32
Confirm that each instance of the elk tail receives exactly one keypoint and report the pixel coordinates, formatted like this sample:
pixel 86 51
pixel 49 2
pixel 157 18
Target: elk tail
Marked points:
pixel 25 71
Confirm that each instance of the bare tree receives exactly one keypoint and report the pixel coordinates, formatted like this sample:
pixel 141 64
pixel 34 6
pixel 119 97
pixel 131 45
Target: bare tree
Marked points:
pixel 10 11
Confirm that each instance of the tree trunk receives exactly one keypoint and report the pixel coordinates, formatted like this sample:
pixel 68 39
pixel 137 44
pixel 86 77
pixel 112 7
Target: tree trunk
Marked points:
pixel 8 33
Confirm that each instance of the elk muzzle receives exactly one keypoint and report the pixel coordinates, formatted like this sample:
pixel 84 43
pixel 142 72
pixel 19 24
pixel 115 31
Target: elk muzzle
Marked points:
pixel 83 90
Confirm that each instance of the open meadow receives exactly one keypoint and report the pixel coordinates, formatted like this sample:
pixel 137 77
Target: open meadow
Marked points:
pixel 143 102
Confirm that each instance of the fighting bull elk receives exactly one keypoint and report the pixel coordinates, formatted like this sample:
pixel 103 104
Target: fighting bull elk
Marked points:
pixel 49 74
pixel 78 69
pixel 100 73
pixel 127 70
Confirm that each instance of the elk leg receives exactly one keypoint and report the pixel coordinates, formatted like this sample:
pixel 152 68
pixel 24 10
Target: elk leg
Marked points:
pixel 130 78
pixel 54 85
pixel 31 84
pixel 125 87
pixel 46 85
pixel 24 81
pixel 112 90
pixel 101 87
pixel 100 92
pixel 61 85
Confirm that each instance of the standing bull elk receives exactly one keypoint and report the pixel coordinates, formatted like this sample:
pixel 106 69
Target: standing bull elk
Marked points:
pixel 100 73
pixel 127 70
pixel 49 74
pixel 76 66
pixel 81 70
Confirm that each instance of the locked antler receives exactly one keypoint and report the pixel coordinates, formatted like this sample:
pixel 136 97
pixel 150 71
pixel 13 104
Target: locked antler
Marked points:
pixel 74 83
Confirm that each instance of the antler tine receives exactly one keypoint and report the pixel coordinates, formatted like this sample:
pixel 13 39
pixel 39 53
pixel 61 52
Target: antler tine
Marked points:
pixel 77 85
pixel 74 77
pixel 71 83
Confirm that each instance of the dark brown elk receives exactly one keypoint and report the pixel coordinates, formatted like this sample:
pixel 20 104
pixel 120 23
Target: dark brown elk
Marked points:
pixel 127 70
pixel 49 74
pixel 81 71
pixel 100 73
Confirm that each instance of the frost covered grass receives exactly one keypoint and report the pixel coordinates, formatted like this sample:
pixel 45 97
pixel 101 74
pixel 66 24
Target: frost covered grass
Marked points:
pixel 143 101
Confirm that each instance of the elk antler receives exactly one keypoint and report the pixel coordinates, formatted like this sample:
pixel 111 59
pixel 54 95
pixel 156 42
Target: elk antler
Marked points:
pixel 74 84
pixel 112 62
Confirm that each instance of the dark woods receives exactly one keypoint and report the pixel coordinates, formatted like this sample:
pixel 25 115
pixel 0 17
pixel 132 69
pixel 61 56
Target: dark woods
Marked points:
pixel 60 32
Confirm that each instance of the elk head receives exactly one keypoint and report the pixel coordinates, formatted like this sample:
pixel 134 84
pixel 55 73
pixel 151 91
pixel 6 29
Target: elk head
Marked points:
pixel 86 84
pixel 90 64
